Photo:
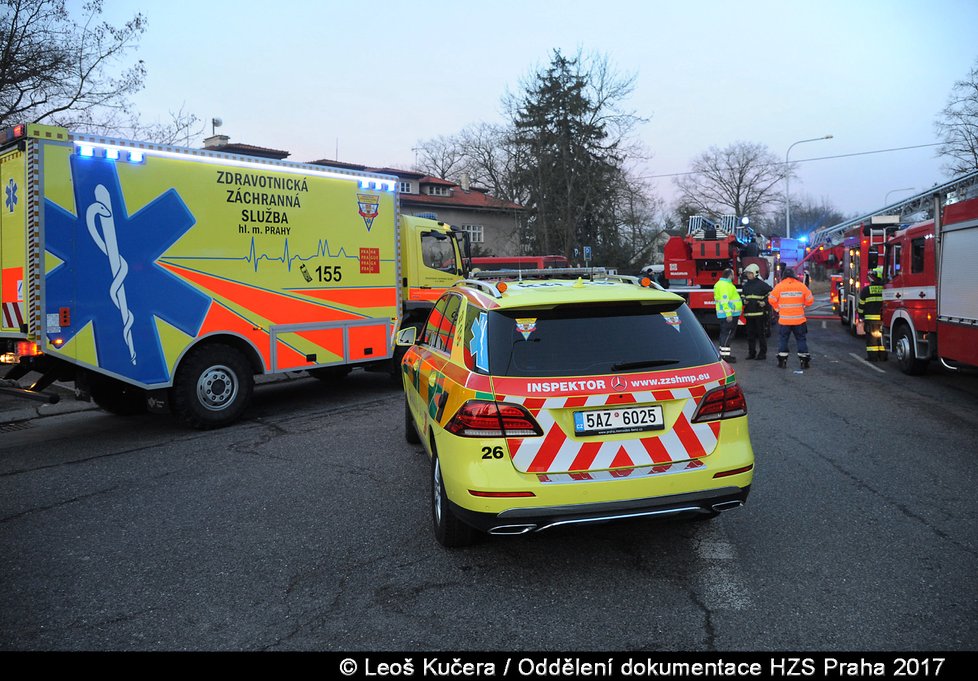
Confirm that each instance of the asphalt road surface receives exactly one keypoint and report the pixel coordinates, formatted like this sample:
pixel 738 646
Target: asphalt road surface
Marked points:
pixel 306 527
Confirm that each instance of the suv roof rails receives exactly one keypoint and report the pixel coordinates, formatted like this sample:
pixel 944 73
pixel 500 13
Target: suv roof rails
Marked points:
pixel 549 273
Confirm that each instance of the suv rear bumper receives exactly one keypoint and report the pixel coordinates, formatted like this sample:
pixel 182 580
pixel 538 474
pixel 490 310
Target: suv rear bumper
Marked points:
pixel 523 520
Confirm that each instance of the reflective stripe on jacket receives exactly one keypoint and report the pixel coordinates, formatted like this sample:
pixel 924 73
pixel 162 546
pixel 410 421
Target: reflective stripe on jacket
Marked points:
pixel 871 302
pixel 790 298
pixel 727 299
pixel 755 294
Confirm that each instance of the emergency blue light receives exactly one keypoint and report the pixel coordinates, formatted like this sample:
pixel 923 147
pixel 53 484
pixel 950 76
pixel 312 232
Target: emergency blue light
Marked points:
pixel 112 154
pixel 86 150
pixel 377 185
pixel 136 157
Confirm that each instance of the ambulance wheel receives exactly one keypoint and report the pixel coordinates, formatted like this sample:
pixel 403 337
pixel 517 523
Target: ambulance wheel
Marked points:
pixel 410 431
pixel 117 397
pixel 213 386
pixel 906 356
pixel 449 530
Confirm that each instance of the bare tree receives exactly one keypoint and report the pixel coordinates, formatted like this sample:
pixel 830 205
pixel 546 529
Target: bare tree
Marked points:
pixel 54 69
pixel 741 179
pixel 442 157
pixel 77 72
pixel 957 127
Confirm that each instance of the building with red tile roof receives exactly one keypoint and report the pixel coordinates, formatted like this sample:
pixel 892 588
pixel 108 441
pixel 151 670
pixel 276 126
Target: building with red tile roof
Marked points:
pixel 493 224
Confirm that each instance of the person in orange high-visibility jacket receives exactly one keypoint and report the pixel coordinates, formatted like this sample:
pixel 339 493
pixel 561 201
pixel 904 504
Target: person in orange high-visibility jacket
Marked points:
pixel 789 299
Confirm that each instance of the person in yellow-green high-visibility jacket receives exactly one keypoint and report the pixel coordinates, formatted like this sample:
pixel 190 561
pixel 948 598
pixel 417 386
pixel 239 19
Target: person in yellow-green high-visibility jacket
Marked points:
pixel 729 307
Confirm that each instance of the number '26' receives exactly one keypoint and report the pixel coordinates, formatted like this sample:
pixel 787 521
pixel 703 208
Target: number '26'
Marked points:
pixel 492 452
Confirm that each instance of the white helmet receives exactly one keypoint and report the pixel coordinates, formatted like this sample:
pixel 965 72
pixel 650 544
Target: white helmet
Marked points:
pixel 753 268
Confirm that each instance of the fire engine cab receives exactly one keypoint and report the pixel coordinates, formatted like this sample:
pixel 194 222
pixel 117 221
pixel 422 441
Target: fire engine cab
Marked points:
pixel 930 300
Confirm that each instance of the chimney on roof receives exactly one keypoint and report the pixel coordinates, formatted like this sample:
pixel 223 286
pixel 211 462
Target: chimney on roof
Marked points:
pixel 216 141
pixel 465 182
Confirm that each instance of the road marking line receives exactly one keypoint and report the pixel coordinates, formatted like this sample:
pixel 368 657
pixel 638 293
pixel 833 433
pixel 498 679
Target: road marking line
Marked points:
pixel 717 570
pixel 860 359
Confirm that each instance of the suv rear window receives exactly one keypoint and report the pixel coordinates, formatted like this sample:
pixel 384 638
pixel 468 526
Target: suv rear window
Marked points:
pixel 582 340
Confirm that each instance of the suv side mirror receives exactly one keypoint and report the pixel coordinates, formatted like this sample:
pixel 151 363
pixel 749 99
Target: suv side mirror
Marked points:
pixel 407 337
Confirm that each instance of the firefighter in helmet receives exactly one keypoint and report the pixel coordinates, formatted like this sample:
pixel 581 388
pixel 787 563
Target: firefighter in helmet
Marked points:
pixel 870 309
pixel 755 294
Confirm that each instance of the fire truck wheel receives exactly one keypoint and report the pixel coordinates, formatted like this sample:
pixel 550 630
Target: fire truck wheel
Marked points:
pixel 410 431
pixel 212 387
pixel 449 530
pixel 117 397
pixel 906 356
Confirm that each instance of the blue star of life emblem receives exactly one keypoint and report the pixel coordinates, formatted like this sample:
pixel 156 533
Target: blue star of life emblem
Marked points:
pixel 479 345
pixel 11 199
pixel 109 276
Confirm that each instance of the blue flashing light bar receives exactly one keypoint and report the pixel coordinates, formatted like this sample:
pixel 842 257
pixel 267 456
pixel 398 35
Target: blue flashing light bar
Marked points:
pixel 377 185
pixel 110 153
pixel 133 155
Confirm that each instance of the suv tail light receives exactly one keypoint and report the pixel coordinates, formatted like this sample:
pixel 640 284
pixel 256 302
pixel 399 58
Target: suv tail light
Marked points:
pixel 721 403
pixel 480 418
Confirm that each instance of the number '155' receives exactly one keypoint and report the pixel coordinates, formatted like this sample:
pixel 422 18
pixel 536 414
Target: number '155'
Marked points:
pixel 329 273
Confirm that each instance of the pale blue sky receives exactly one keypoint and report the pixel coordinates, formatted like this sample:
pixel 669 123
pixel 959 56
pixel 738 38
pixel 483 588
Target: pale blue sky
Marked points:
pixel 374 78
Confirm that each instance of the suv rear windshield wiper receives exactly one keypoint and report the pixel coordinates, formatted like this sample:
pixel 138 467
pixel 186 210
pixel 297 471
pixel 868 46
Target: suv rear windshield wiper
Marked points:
pixel 647 364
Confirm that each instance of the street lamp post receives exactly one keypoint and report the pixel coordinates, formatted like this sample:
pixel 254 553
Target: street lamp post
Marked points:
pixel 787 184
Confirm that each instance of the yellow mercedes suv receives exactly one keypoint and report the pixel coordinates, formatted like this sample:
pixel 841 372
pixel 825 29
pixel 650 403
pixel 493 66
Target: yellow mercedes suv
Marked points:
pixel 545 401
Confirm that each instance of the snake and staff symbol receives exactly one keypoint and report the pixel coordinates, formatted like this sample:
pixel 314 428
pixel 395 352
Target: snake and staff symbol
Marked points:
pixel 100 213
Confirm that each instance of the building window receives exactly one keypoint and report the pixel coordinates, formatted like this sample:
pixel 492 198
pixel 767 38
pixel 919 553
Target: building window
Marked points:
pixel 405 187
pixel 476 233
pixel 437 190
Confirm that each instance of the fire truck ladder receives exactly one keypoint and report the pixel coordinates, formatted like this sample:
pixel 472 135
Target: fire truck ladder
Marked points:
pixel 914 209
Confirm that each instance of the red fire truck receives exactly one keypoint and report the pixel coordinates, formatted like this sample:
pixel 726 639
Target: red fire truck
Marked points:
pixel 930 306
pixel 695 262
pixel 862 252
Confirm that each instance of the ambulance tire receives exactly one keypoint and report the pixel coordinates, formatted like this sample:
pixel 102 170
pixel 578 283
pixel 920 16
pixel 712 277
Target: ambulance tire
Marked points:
pixel 449 530
pixel 213 386
pixel 410 430
pixel 117 397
